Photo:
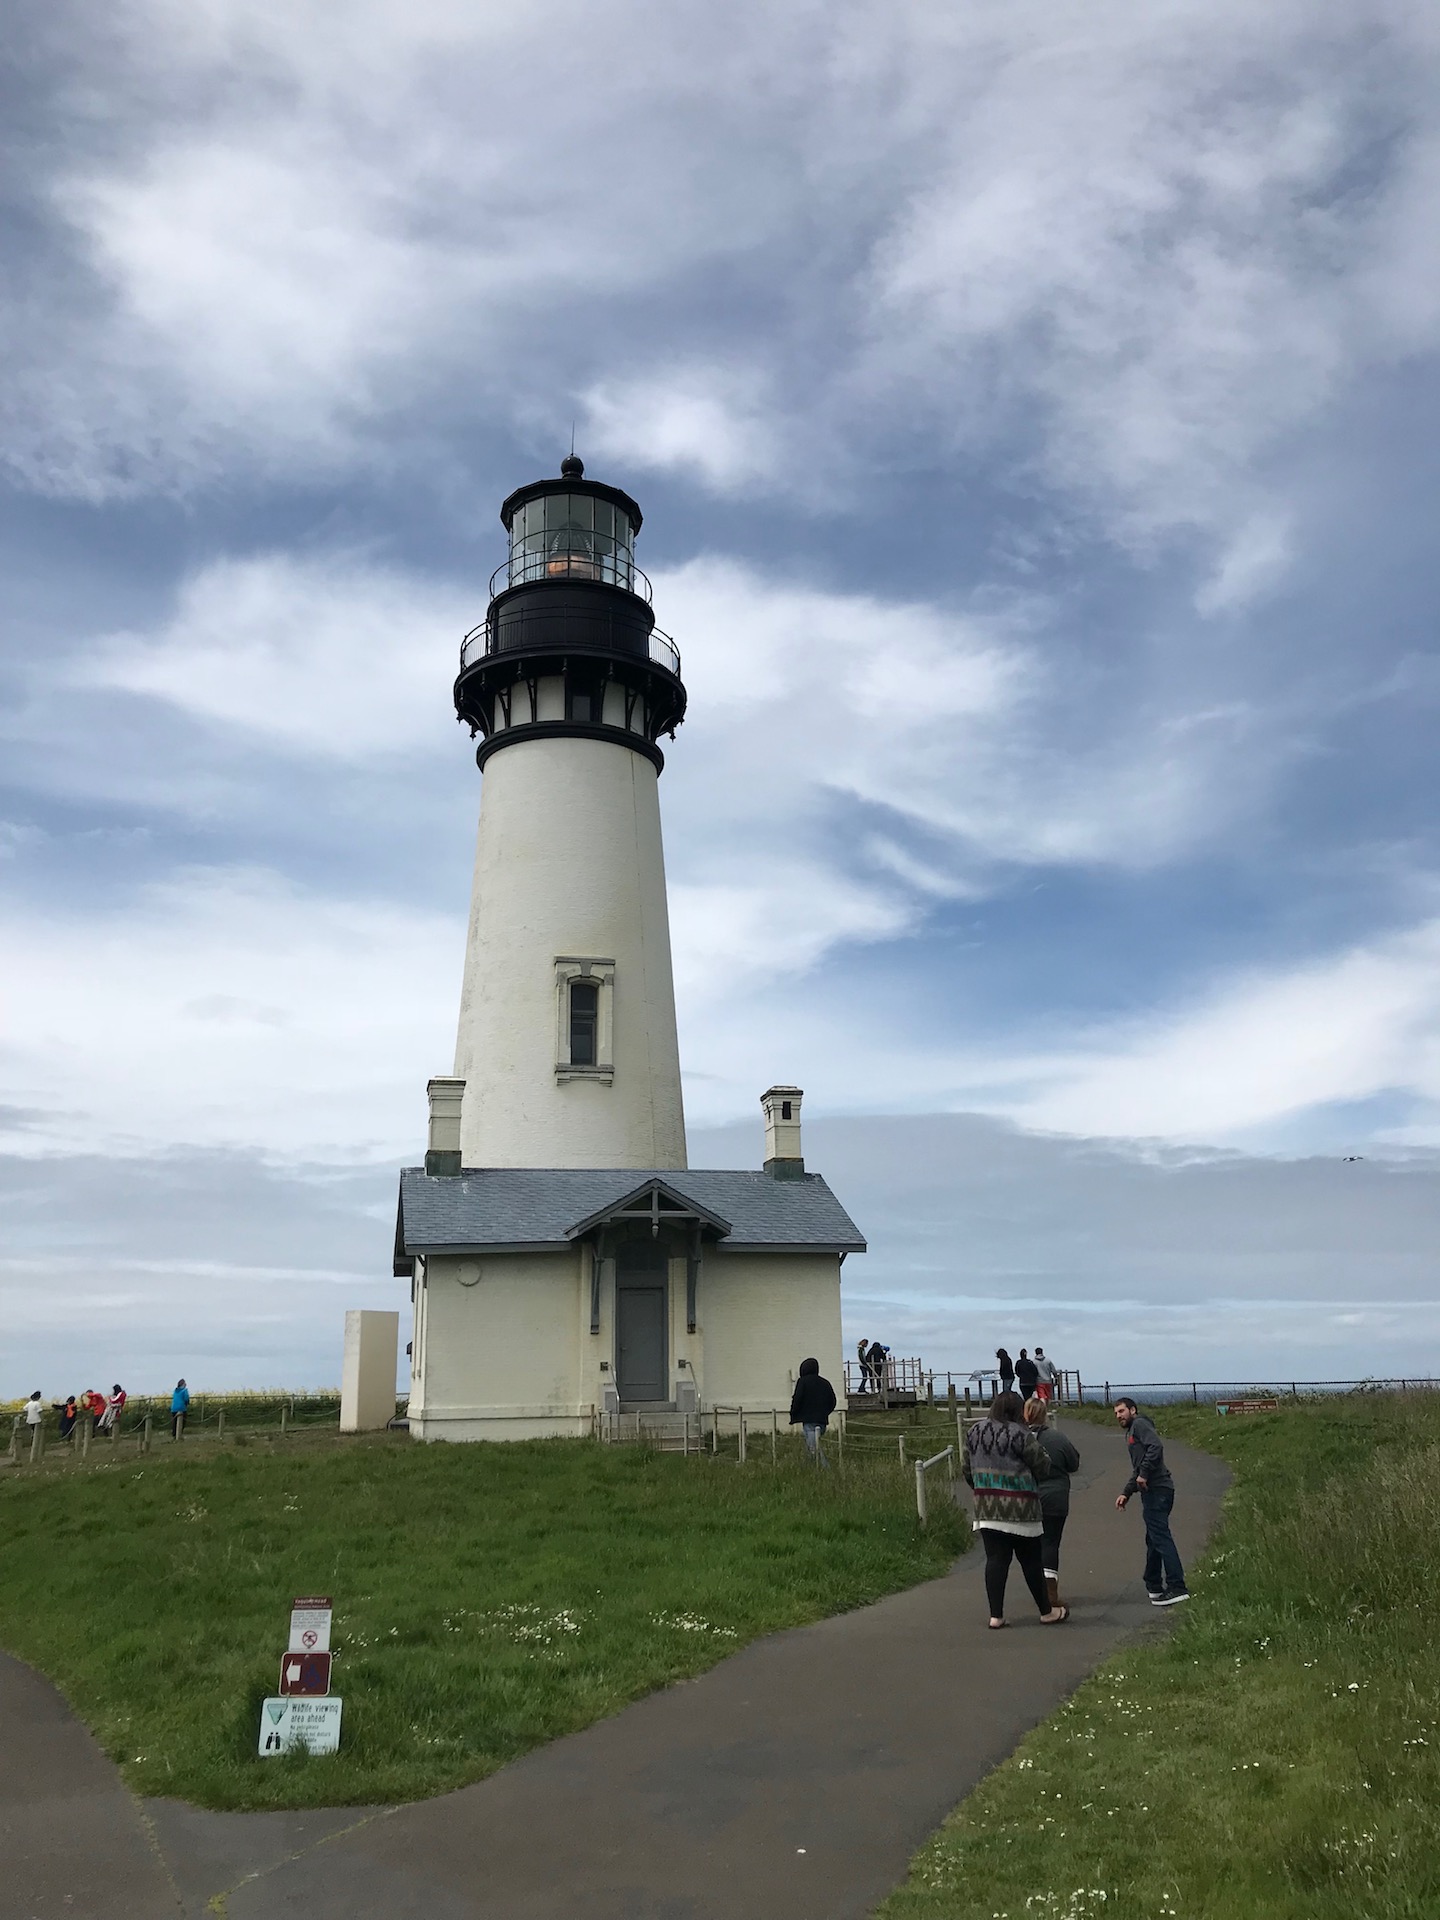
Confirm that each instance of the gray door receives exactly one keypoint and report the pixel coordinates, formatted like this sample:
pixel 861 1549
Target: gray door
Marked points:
pixel 641 1304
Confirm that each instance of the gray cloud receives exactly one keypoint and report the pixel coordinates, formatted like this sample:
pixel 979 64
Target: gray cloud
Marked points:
pixel 1120 1257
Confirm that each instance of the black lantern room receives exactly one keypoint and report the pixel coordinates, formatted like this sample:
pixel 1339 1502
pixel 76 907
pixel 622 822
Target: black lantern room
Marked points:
pixel 569 646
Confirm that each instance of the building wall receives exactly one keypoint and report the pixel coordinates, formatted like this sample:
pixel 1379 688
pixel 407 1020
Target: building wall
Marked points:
pixel 760 1315
pixel 503 1348
pixel 496 1349
pixel 569 862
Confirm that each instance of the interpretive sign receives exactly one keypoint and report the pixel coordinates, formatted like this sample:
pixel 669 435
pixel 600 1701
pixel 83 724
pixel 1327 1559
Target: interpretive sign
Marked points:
pixel 290 1724
pixel 310 1624
pixel 1247 1406
pixel 305 1673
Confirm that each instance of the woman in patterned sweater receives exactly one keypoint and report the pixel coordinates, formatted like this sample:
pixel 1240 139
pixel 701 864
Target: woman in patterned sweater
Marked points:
pixel 1003 1462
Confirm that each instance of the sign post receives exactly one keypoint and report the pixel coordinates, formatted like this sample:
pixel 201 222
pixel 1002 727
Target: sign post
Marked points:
pixel 303 1716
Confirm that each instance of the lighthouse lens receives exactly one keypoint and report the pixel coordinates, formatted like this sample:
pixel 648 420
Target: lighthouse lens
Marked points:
pixel 572 536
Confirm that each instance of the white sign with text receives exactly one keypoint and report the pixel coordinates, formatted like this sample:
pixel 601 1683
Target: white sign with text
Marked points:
pixel 310 1624
pixel 297 1721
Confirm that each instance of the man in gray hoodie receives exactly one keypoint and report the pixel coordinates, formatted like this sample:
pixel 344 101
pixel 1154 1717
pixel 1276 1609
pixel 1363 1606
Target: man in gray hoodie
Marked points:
pixel 1151 1479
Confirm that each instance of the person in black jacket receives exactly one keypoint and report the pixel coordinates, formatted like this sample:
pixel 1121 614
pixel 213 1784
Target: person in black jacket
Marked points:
pixel 1026 1375
pixel 1007 1370
pixel 811 1406
pixel 1152 1480
pixel 1064 1459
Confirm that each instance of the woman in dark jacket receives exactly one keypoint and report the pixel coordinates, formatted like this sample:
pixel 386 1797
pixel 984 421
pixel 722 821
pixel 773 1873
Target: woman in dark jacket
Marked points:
pixel 1002 1462
pixel 1062 1460
pixel 1007 1370
pixel 811 1406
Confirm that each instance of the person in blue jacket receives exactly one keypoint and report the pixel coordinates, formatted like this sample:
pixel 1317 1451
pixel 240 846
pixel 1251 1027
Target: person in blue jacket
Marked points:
pixel 179 1407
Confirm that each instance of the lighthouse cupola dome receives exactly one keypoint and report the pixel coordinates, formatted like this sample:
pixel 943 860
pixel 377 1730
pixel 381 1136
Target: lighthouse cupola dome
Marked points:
pixel 569 642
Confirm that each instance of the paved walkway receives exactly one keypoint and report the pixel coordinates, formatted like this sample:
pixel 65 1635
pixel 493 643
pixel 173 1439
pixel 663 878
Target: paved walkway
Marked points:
pixel 796 1778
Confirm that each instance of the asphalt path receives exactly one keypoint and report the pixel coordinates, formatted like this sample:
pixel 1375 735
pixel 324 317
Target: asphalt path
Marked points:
pixel 797 1777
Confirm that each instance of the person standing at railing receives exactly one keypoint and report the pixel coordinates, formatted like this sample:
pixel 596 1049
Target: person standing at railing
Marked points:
pixel 1063 1458
pixel 1027 1375
pixel 179 1407
pixel 114 1407
pixel 1048 1381
pixel 811 1406
pixel 1003 1463
pixel 1007 1370
pixel 34 1414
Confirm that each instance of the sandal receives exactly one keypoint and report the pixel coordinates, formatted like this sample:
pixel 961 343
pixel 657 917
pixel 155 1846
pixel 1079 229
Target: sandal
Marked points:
pixel 996 1626
pixel 1064 1616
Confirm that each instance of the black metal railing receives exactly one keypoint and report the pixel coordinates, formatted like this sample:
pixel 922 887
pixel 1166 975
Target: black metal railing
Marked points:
pixel 525 566
pixel 485 639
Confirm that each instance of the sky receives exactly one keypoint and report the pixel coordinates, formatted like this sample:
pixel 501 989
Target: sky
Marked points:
pixel 1035 418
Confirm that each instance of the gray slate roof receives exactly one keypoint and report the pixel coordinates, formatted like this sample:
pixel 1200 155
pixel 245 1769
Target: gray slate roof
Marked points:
pixel 537 1206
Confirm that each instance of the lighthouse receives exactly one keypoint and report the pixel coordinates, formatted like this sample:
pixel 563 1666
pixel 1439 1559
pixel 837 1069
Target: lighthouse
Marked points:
pixel 566 1265
pixel 567 1042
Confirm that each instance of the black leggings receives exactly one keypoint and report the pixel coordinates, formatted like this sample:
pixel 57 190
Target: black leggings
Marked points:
pixel 1028 1552
pixel 1054 1524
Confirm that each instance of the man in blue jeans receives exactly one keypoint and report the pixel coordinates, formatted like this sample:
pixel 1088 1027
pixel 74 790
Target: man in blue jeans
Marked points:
pixel 1150 1478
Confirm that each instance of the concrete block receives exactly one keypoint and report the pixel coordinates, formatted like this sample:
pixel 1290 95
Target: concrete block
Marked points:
pixel 367 1379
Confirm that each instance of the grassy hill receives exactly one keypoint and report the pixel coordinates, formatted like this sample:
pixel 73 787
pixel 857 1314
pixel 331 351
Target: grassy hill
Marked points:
pixel 1278 1757
pixel 488 1598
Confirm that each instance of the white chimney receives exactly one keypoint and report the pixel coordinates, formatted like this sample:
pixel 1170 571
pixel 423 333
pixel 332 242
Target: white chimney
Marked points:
pixel 442 1150
pixel 783 1158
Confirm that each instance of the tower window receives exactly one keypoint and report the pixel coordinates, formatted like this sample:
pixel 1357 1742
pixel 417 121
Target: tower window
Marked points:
pixel 583 705
pixel 584 1022
pixel 785 1113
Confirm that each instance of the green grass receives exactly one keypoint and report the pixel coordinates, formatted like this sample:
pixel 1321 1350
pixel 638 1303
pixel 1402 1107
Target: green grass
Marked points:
pixel 1278 1756
pixel 488 1598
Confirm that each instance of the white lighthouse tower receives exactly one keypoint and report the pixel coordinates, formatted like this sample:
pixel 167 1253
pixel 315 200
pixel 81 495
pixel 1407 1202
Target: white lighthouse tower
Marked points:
pixel 567 1268
pixel 567 1042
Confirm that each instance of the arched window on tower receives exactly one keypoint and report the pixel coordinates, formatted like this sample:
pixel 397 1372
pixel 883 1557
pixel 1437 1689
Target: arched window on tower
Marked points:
pixel 584 1022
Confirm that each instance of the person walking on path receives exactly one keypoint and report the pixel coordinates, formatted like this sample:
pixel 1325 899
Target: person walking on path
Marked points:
pixel 1007 1370
pixel 1003 1462
pixel 1151 1479
pixel 811 1406
pixel 1063 1460
pixel 1049 1374
pixel 1026 1376
pixel 179 1407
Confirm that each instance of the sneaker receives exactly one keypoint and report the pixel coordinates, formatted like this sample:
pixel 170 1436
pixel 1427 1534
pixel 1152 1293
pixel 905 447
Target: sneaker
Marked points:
pixel 1155 1593
pixel 1170 1598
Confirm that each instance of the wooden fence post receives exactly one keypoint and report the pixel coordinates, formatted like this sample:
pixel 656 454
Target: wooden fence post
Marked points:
pixel 145 1435
pixel 774 1436
pixel 37 1443
pixel 840 1430
pixel 740 1459
pixel 902 1449
pixel 15 1426
pixel 921 1503
pixel 284 1414
pixel 87 1427
pixel 220 1424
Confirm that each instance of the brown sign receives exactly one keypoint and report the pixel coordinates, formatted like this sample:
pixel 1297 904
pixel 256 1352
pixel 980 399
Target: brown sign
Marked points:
pixel 1247 1406
pixel 305 1673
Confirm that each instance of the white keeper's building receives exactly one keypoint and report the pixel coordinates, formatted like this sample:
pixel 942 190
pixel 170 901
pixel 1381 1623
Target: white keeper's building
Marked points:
pixel 563 1259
